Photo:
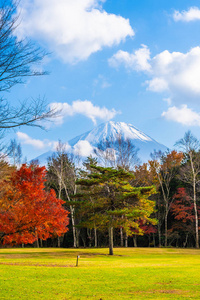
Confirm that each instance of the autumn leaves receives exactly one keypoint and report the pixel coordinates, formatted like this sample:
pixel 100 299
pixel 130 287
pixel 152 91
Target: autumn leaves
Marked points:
pixel 27 211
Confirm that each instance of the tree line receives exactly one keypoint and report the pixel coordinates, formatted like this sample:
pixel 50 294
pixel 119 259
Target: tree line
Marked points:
pixel 150 204
pixel 115 203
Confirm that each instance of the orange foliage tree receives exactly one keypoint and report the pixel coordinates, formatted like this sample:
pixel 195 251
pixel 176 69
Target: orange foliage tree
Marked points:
pixel 28 211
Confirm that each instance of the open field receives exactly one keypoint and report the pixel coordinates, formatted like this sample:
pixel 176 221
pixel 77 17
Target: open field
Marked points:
pixel 133 273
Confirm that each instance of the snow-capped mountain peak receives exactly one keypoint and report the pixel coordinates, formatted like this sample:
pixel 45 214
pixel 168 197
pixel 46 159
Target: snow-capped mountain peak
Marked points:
pixel 111 131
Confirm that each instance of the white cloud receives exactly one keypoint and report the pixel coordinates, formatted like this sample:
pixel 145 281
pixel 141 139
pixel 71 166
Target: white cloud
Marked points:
pixel 176 73
pixel 138 60
pixel 183 115
pixel 189 15
pixel 85 108
pixel 83 148
pixel 29 141
pixel 179 73
pixel 39 144
pixel 157 85
pixel 74 29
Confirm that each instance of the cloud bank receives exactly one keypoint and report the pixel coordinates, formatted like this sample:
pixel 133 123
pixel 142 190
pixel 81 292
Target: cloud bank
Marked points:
pixel 82 148
pixel 138 60
pixel 182 115
pixel 73 29
pixel 192 14
pixel 85 108
pixel 36 143
pixel 176 75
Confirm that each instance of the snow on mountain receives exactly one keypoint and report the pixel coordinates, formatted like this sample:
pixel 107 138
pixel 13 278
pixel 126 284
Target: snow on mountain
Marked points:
pixel 110 131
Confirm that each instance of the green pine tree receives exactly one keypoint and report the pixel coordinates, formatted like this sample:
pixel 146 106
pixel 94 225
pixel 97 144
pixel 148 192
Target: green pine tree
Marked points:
pixel 107 195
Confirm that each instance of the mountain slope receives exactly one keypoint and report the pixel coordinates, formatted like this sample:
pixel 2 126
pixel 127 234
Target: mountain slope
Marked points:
pixel 111 131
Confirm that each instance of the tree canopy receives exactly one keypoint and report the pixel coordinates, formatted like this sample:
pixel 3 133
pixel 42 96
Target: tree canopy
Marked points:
pixel 112 201
pixel 28 211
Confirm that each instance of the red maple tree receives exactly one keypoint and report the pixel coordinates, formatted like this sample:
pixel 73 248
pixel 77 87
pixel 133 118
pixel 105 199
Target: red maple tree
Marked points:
pixel 28 211
pixel 182 210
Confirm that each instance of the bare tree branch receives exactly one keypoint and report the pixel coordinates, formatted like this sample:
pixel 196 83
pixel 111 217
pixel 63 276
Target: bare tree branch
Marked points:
pixel 18 60
pixel 17 57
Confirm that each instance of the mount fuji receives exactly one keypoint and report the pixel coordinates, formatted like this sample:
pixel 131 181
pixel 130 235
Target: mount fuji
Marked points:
pixel 110 131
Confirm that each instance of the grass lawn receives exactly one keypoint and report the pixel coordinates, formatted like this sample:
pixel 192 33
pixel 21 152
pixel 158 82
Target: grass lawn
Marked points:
pixel 132 273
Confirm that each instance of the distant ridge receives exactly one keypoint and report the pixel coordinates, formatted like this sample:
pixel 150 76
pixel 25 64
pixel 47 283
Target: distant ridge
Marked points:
pixel 111 131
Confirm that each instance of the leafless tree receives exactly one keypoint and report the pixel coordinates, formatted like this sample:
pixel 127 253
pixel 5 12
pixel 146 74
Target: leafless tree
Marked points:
pixel 190 171
pixel 164 166
pixel 15 152
pixel 106 153
pixel 127 153
pixel 119 153
pixel 63 171
pixel 17 60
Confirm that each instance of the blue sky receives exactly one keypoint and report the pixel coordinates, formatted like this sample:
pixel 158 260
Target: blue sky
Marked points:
pixel 136 61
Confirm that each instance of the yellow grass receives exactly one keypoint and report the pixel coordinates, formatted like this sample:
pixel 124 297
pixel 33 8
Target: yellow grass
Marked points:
pixel 132 273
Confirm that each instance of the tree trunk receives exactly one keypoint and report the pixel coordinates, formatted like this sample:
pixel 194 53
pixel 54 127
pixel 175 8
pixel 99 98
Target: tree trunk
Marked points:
pixel 84 241
pixel 135 240
pixel 75 238
pixel 166 215
pixel 58 242
pixel 159 236
pixel 95 237
pixel 37 244
pixel 77 232
pixel 89 234
pixel 73 225
pixel 110 232
pixel 154 242
pixel 121 237
pixel 41 244
pixel 126 240
pixel 196 216
pixel 37 241
pixel 149 238
pixel 186 239
pixel 159 222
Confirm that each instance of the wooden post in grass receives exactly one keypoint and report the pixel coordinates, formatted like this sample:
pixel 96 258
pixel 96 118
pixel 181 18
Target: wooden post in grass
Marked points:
pixel 77 260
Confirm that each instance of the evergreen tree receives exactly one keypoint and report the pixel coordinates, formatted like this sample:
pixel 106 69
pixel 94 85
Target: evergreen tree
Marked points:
pixel 108 195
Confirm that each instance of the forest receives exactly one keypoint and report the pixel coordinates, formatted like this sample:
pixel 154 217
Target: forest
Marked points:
pixel 105 201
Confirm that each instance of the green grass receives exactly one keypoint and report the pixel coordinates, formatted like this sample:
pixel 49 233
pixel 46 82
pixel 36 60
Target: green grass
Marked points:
pixel 143 273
